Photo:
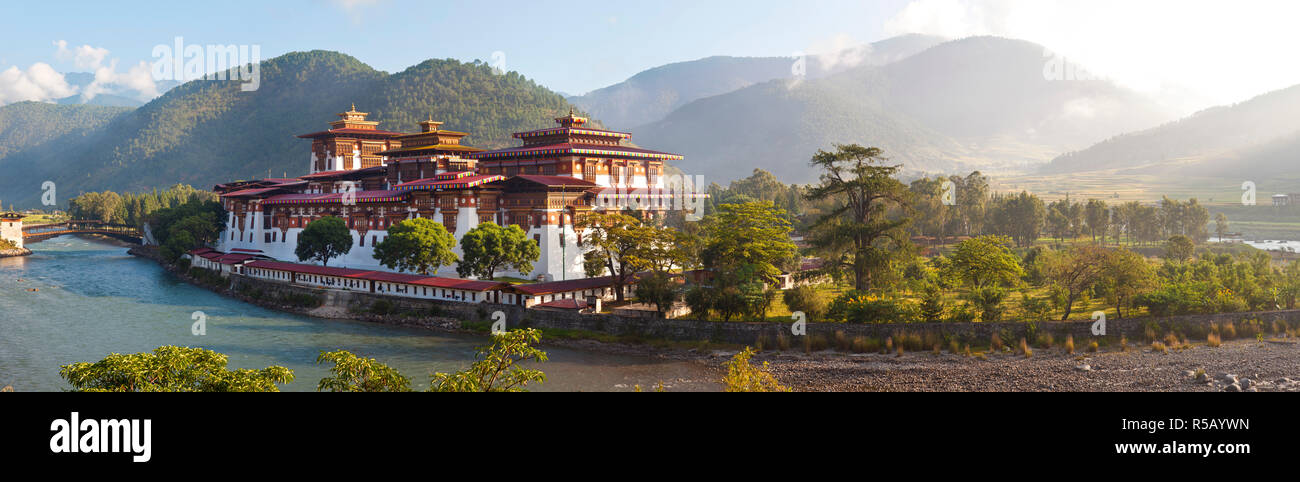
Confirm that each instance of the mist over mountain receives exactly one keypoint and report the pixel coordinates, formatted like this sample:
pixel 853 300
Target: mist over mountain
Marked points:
pixel 1257 137
pixel 975 103
pixel 205 132
pixel 650 95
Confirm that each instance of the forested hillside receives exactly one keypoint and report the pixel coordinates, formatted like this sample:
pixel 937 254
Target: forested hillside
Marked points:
pixel 205 132
pixel 27 124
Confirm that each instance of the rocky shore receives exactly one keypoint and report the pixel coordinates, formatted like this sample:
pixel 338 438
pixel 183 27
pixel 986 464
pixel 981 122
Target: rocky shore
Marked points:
pixel 1237 366
pixel 9 253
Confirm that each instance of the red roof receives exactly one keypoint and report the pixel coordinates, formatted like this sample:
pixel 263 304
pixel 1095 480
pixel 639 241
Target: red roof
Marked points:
pixel 235 258
pixel 376 170
pixel 555 180
pixel 566 304
pixel 199 251
pixel 380 276
pixel 306 268
pixel 566 286
pixel 388 277
pixel 242 250
pixel 569 148
pixel 461 284
pixel 251 192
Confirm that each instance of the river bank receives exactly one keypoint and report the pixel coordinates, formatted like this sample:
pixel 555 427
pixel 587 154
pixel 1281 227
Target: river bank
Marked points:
pixel 706 354
pixel 1265 362
pixel 1253 366
pixel 11 253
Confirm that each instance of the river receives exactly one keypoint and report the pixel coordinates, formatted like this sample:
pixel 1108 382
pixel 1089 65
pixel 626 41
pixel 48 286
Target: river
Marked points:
pixel 93 299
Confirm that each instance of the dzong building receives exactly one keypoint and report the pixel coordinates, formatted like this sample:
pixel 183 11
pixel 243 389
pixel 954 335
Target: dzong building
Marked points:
pixel 373 179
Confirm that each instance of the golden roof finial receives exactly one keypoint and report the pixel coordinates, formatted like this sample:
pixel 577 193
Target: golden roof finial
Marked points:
pixel 354 107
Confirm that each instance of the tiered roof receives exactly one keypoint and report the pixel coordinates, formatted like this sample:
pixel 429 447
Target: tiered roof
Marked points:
pixel 353 123
pixel 572 138
pixel 336 198
pixel 440 182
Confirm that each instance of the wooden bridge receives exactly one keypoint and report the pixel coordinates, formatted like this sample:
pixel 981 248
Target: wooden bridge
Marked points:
pixel 40 232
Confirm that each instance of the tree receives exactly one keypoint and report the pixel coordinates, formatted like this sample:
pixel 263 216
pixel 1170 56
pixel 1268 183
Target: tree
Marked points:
pixel 1098 218
pixel 1179 248
pixel 356 374
pixel 497 368
pixel 932 305
pixel 860 226
pixel 1074 271
pixel 1221 226
pixel 171 369
pixel 657 289
pixel 324 239
pixel 177 245
pixel 807 300
pixel 612 242
pixel 744 377
pixel 489 248
pixel 421 245
pixel 1125 276
pixel 985 261
pixel 752 235
pixel 1020 216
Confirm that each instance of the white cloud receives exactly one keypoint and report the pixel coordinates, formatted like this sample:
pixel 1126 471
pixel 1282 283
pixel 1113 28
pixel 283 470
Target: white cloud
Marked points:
pixel 136 82
pixel 1222 51
pixel 839 51
pixel 84 57
pixel 40 82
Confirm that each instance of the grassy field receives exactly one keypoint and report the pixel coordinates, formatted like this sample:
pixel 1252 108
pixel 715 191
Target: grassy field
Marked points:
pixel 1220 195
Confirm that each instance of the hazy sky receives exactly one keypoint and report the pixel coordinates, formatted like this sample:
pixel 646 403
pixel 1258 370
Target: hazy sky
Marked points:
pixel 1211 52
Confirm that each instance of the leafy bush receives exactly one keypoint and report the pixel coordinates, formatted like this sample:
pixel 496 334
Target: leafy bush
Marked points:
pixel 744 377
pixel 860 307
pixel 806 299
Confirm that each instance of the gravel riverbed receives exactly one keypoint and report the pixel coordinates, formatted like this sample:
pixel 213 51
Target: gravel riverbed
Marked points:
pixel 1235 366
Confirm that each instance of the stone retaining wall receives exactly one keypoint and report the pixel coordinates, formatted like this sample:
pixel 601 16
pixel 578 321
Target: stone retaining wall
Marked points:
pixel 9 253
pixel 446 314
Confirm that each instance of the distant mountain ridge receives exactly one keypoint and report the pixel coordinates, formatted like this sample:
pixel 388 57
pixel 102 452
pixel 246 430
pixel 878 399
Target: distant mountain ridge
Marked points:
pixel 205 132
pixel 1259 136
pixel 652 94
pixel 974 103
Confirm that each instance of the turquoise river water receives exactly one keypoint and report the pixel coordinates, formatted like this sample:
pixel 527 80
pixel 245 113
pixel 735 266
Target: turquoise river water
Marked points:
pixel 91 299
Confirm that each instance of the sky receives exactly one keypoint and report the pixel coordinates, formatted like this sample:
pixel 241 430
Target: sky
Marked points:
pixel 1206 52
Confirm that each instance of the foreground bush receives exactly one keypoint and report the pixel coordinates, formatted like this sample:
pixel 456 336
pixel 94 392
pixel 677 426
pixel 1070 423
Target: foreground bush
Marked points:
pixel 497 369
pixel 171 369
pixel 356 374
pixel 744 377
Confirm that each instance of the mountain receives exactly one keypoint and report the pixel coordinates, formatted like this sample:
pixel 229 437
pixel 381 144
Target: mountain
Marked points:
pixel 25 125
pixel 108 100
pixel 975 103
pixel 1259 136
pixel 118 98
pixel 206 132
pixel 652 94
